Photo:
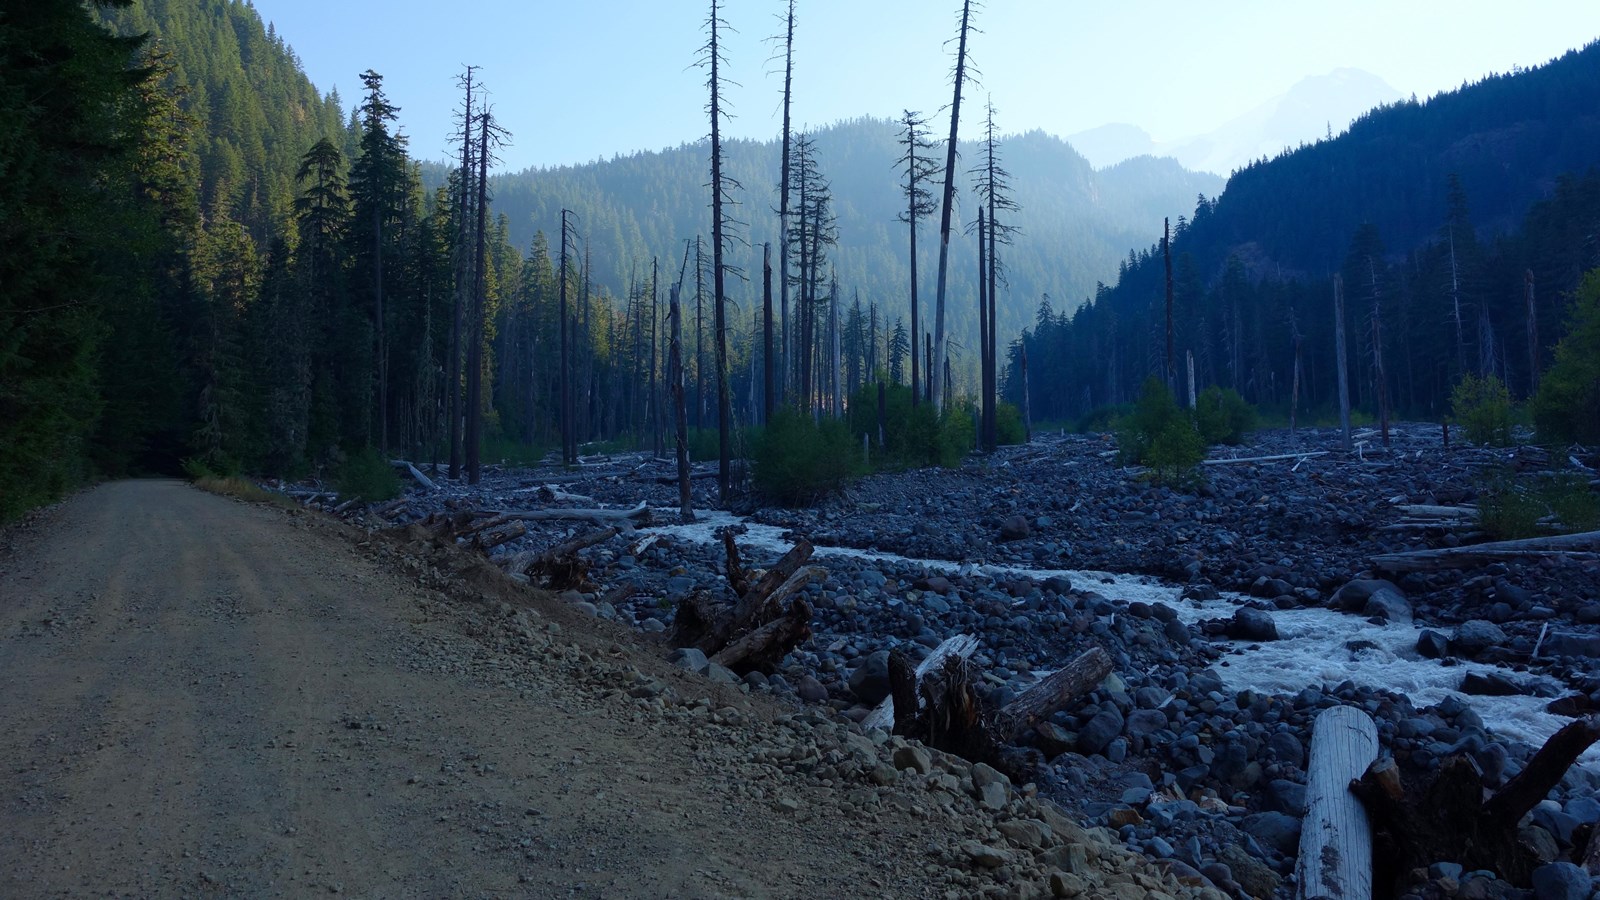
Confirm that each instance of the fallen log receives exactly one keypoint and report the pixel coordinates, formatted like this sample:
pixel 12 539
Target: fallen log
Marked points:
pixel 1335 837
pixel 1423 511
pixel 1571 547
pixel 1056 692
pixel 1446 818
pixel 416 473
pixel 883 715
pixel 1256 459
pixel 764 648
pixel 693 476
pixel 560 566
pixel 761 625
pixel 488 540
pixel 624 518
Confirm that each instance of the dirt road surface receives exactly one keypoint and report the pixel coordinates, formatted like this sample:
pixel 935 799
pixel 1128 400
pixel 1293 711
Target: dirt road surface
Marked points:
pixel 203 697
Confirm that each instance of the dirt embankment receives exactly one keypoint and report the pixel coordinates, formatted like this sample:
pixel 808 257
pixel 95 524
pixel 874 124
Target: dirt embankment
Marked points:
pixel 205 697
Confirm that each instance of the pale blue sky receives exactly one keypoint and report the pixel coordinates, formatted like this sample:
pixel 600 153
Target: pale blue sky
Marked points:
pixel 592 78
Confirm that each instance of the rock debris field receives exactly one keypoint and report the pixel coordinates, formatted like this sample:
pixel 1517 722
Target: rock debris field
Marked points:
pixel 1234 613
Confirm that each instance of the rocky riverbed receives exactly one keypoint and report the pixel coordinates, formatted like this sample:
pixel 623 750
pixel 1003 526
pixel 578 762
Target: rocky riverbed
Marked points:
pixel 1234 614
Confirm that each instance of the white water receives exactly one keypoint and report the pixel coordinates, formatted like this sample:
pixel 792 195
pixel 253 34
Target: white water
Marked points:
pixel 1310 650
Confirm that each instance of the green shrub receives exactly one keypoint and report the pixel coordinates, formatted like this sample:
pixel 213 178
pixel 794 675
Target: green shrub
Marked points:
pixel 1567 406
pixel 913 435
pixel 1482 409
pixel 511 452
pixel 1575 505
pixel 703 444
pixel 798 461
pixel 1008 425
pixel 1223 416
pixel 1158 434
pixel 957 434
pixel 368 476
pixel 1101 419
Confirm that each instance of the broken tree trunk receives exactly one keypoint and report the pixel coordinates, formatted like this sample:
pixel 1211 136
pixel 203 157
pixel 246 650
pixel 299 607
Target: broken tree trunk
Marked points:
pixel 561 566
pixel 1056 692
pixel 1582 546
pixel 1446 818
pixel 935 703
pixel 885 714
pixel 761 626
pixel 1336 838
pixel 1256 459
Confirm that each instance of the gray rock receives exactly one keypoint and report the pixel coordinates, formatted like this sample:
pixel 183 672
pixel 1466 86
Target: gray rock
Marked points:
pixel 985 774
pixel 1100 731
pixel 720 674
pixel 1432 645
pixel 1561 881
pixel 1354 595
pixel 1252 625
pixel 1146 721
pixel 1014 528
pixel 915 758
pixel 1287 747
pixel 810 689
pixel 1475 636
pixel 689 658
pixel 1029 833
pixel 1277 830
pixel 870 681
pixel 1561 643
pixel 1286 797
pixel 994 795
pixel 1388 604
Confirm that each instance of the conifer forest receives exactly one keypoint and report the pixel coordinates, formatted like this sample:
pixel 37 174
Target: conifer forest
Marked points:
pixel 1098 529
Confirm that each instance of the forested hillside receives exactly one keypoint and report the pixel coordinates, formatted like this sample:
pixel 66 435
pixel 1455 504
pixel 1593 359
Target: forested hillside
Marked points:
pixel 1440 218
pixel 255 111
pixel 1076 224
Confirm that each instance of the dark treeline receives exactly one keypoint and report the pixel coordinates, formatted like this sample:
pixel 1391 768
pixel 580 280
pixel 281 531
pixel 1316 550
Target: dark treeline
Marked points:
pixel 1424 217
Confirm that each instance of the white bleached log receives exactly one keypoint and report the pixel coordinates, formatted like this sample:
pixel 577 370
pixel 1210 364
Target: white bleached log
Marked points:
pixel 962 645
pixel 1336 837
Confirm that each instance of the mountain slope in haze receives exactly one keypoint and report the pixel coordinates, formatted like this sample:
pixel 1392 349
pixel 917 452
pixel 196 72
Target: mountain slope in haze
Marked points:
pixel 1446 221
pixel 256 110
pixel 1313 108
pixel 1076 224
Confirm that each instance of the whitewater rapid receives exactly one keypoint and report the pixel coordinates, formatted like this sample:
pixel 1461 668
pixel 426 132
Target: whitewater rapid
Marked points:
pixel 1311 650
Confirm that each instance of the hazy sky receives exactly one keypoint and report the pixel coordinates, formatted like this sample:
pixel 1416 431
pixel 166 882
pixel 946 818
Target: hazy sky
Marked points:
pixel 583 79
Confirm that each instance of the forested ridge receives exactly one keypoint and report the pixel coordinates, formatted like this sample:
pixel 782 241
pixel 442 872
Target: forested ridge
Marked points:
pixel 1079 222
pixel 206 264
pixel 1441 219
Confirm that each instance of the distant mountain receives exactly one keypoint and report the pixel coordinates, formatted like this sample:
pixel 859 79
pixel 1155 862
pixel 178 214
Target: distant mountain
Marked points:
pixel 1076 223
pixel 1434 215
pixel 1313 108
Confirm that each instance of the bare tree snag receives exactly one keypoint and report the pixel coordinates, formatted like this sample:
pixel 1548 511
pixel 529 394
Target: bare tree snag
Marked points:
pixel 1447 817
pixel 936 360
pixel 561 566
pixel 889 711
pixel 1343 361
pixel 1336 838
pixel 415 473
pixel 1056 692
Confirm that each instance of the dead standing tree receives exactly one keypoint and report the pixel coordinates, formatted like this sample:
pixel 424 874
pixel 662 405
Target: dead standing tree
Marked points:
pixel 712 59
pixel 783 200
pixel 464 274
pixel 488 132
pixel 994 192
pixel 937 362
pixel 675 386
pixel 569 428
pixel 918 168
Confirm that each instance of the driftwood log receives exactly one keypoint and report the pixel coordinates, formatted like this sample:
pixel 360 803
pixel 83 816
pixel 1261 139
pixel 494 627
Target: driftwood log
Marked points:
pixel 939 706
pixel 1584 546
pixel 1335 837
pixel 560 566
pixel 765 620
pixel 623 518
pixel 1447 818
pixel 415 473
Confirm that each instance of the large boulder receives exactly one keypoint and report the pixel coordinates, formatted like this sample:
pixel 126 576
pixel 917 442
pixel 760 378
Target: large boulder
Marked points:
pixel 1252 625
pixel 870 681
pixel 1473 637
pixel 1561 643
pixel 1373 598
pixel 1100 730
pixel 1561 881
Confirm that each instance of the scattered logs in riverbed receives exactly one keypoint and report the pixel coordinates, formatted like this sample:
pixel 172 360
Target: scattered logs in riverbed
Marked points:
pixel 941 709
pixel 765 621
